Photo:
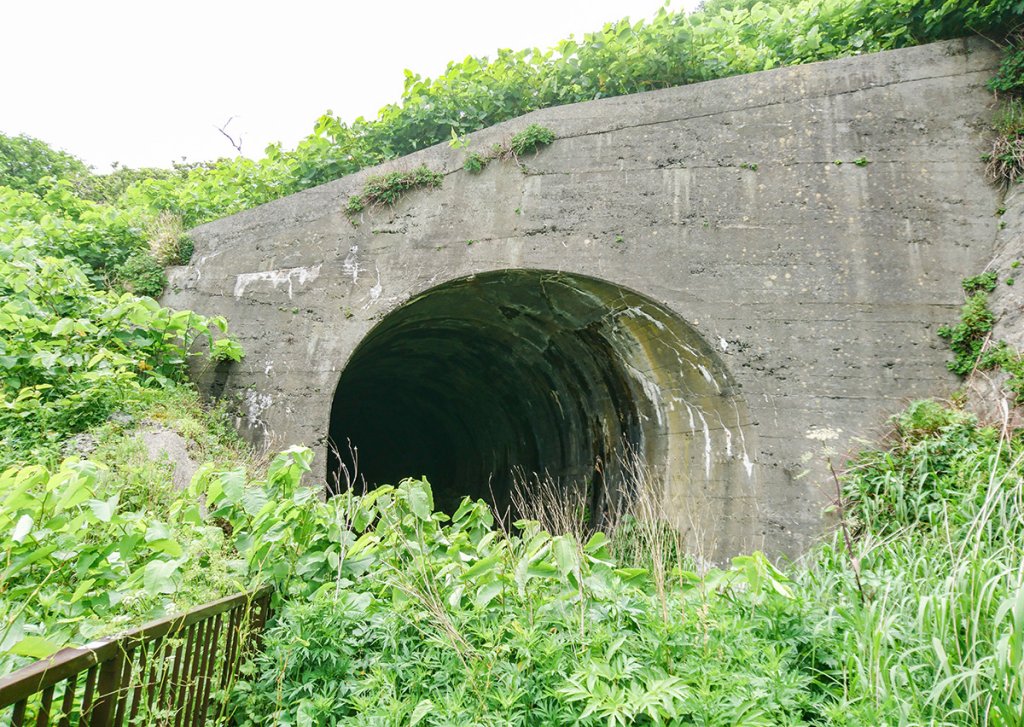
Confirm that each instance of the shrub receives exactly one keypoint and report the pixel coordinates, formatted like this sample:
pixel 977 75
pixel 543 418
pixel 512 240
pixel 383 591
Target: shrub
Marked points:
pixel 141 274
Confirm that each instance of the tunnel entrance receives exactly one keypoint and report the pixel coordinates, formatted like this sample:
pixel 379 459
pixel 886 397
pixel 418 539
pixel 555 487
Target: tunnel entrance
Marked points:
pixel 543 374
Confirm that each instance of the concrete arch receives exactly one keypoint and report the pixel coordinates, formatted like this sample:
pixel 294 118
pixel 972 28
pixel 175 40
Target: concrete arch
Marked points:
pixel 817 285
pixel 562 375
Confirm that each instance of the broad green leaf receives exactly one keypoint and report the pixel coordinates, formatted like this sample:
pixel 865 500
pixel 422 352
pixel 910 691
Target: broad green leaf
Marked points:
pixel 482 566
pixel 566 558
pixel 104 509
pixel 158 576
pixel 421 501
pixel 254 499
pixel 63 326
pixel 424 708
pixel 168 546
pixel 35 647
pixel 488 592
pixel 82 589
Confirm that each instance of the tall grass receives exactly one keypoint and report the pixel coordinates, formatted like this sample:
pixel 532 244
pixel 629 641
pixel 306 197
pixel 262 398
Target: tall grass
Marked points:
pixel 940 516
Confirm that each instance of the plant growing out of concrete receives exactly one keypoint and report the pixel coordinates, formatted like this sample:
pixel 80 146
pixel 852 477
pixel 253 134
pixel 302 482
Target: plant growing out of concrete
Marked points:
pixel 387 189
pixel 970 339
pixel 528 140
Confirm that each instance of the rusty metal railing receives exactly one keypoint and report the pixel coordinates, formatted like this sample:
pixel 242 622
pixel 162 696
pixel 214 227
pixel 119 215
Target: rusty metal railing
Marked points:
pixel 175 671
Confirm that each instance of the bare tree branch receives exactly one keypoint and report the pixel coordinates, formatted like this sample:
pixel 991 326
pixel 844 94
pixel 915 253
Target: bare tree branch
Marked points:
pixel 237 145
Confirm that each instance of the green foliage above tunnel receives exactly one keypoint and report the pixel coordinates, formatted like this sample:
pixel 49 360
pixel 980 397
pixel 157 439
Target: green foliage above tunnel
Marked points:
pixel 723 38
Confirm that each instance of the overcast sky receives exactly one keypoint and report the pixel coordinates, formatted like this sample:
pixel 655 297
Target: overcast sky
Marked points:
pixel 144 83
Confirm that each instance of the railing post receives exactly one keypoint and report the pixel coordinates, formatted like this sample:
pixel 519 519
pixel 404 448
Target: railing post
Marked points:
pixel 107 690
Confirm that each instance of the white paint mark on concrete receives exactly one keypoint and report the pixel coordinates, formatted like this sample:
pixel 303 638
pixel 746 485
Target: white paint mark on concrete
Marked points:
pixel 747 464
pixel 708 377
pixel 822 434
pixel 350 265
pixel 707 444
pixel 255 404
pixel 377 289
pixel 285 276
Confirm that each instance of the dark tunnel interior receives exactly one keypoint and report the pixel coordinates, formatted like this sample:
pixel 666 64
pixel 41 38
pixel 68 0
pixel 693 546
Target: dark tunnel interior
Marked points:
pixel 484 377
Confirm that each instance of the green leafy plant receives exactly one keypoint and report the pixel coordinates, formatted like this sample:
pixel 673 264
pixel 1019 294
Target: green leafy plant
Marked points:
pixel 983 283
pixel 530 139
pixel 30 165
pixel 1009 79
pixel 475 162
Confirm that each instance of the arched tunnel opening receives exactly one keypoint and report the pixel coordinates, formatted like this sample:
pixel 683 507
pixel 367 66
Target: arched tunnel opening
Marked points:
pixel 522 375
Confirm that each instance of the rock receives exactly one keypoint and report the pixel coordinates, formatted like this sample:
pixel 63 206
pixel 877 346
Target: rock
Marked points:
pixel 167 445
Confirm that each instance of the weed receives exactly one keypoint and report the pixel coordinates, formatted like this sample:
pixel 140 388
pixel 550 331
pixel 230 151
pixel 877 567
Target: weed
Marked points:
pixel 749 165
pixel 861 161
pixel 967 337
pixel 387 189
pixel 530 139
pixel 1005 160
pixel 475 162
pixel 970 339
pixel 169 244
pixel 983 283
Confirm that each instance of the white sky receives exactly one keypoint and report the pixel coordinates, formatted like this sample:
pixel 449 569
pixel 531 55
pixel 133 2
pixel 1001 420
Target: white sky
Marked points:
pixel 144 83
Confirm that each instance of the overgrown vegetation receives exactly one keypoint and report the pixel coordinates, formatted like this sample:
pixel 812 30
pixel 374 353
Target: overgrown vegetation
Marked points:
pixel 390 613
pixel 91 546
pixel 1004 164
pixel 395 614
pixel 723 38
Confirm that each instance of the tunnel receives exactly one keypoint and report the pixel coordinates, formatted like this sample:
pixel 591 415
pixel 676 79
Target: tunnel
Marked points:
pixel 521 375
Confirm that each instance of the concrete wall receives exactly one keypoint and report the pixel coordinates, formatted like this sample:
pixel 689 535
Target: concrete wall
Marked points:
pixel 816 285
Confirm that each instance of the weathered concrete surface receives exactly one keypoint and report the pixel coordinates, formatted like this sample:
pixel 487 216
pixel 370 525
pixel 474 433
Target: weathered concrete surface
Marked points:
pixel 815 287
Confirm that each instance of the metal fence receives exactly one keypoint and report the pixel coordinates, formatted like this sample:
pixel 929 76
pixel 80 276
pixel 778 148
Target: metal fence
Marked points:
pixel 175 671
